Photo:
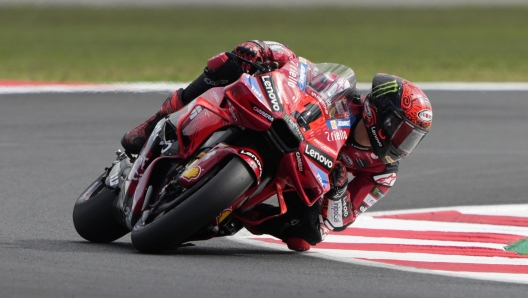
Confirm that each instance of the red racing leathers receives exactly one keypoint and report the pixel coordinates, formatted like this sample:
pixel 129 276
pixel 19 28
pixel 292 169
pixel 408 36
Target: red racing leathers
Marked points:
pixel 369 178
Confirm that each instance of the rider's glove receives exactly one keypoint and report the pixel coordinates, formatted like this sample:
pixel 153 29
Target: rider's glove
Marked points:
pixel 249 51
pixel 336 213
pixel 338 181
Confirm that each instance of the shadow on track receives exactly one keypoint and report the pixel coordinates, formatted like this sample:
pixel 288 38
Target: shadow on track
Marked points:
pixel 189 249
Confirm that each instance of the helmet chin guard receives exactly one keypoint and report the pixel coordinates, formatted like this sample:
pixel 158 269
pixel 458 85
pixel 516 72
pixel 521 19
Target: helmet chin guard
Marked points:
pixel 397 116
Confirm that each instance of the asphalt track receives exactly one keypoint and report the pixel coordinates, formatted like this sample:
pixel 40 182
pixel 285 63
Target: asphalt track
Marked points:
pixel 53 145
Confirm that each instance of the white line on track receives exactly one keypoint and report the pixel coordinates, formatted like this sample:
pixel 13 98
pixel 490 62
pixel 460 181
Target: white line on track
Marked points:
pixel 171 86
pixel 386 240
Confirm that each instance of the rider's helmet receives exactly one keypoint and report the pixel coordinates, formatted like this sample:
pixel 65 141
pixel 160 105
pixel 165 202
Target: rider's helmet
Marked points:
pixel 397 115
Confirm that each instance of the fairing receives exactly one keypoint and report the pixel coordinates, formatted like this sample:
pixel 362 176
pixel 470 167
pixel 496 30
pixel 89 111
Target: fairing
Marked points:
pixel 300 108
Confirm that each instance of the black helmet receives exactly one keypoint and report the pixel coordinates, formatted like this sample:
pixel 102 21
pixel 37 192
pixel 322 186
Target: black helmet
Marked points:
pixel 397 115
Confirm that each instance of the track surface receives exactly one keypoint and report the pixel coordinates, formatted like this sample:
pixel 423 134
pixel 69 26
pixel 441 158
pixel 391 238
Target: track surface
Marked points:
pixel 53 145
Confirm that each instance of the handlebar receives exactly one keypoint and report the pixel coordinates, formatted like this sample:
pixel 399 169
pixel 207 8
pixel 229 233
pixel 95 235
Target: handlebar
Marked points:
pixel 260 67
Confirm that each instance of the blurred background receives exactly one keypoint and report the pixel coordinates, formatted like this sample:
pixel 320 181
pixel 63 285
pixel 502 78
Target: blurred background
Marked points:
pixel 170 40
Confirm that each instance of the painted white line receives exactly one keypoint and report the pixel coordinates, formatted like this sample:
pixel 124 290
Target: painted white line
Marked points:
pixel 336 238
pixel 420 257
pixel 422 225
pixel 481 209
pixel 142 87
pixel 386 240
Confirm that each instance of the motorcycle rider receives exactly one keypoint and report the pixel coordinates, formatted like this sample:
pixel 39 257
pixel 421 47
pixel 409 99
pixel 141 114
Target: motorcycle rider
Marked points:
pixel 391 120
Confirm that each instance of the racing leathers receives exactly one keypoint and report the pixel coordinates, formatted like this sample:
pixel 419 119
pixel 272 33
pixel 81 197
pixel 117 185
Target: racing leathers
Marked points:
pixel 368 180
pixel 358 179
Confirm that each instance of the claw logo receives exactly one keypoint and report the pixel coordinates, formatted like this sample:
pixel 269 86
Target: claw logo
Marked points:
pixel 381 135
pixel 385 179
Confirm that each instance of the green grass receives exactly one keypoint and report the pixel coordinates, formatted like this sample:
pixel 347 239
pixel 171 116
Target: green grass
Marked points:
pixel 88 44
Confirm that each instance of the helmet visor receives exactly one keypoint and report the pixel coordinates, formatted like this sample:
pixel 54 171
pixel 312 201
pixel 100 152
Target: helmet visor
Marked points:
pixel 404 136
pixel 405 139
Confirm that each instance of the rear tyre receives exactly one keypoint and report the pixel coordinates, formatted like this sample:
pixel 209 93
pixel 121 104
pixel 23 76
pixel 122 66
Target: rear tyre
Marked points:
pixel 199 209
pixel 93 215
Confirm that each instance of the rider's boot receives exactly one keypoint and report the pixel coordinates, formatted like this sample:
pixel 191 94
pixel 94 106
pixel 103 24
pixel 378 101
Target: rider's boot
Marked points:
pixel 297 244
pixel 134 140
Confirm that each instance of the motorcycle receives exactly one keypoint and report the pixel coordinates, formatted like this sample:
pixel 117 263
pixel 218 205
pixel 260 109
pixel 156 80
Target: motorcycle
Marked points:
pixel 206 166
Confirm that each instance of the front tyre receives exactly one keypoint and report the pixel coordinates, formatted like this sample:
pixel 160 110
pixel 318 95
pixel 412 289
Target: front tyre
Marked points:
pixel 93 215
pixel 199 209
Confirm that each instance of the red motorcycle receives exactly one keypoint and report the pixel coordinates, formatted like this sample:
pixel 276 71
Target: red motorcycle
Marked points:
pixel 229 150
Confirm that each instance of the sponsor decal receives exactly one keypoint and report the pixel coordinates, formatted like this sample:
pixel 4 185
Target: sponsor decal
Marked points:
pixel 276 47
pixel 217 98
pixel 348 161
pixel 223 215
pixel 292 74
pixel 385 88
pixel 262 113
pixel 377 192
pixel 356 146
pixel 197 110
pixel 425 115
pixel 369 115
pixel 363 207
pixel 375 135
pixel 338 124
pixel 385 179
pixel 232 110
pixel 254 86
pixel 302 74
pixel 369 200
pixel 361 163
pixel 255 158
pixel 336 213
pixel 300 165
pixel 321 176
pixel 324 147
pixel 215 83
pixel 192 173
pixel 114 179
pixel 271 93
pixel 320 100
pixel 340 107
pixel 336 135
pixel 294 127
pixel 319 156
pixel 346 207
pixel 209 155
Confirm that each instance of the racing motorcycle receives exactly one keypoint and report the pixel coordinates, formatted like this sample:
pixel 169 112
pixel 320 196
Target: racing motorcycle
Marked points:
pixel 206 166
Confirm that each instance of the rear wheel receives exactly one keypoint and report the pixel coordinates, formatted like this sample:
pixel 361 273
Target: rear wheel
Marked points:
pixel 93 215
pixel 207 202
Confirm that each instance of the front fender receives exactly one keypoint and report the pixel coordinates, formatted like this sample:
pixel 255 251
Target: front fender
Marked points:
pixel 159 165
pixel 216 155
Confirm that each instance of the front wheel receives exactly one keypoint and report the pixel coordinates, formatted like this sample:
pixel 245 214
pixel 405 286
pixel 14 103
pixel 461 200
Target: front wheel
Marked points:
pixel 177 225
pixel 93 215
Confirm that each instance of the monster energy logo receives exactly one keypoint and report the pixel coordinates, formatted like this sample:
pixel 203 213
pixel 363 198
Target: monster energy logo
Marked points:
pixel 385 88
